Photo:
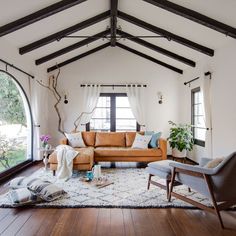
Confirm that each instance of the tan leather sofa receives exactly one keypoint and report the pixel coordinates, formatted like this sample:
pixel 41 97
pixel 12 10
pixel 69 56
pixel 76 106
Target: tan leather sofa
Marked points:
pixel 111 147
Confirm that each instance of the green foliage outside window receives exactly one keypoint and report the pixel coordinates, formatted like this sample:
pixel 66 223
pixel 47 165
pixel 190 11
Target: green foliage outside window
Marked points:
pixel 11 105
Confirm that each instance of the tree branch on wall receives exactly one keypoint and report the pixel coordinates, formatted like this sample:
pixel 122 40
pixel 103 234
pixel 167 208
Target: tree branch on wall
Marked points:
pixel 77 121
pixel 52 86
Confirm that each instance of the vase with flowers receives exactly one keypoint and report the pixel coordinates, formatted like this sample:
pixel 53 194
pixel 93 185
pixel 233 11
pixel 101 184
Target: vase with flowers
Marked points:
pixel 44 140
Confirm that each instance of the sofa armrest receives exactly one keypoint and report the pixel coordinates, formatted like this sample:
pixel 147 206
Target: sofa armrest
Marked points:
pixel 163 147
pixel 64 141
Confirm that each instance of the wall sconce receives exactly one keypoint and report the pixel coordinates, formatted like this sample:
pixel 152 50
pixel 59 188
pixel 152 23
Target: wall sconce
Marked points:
pixel 160 97
pixel 65 99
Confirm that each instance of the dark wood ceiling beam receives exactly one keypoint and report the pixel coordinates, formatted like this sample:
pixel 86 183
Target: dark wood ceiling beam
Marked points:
pixel 157 49
pixel 195 16
pixel 64 63
pixel 150 58
pixel 159 31
pixel 114 6
pixel 71 47
pixel 53 37
pixel 38 15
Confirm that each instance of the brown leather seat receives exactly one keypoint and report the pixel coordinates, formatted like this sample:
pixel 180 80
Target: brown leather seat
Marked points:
pixel 85 156
pixel 126 152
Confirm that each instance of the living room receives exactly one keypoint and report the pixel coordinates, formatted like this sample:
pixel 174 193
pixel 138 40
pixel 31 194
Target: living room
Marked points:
pixel 82 56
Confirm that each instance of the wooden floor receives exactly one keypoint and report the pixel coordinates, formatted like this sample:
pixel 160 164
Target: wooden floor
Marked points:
pixel 100 221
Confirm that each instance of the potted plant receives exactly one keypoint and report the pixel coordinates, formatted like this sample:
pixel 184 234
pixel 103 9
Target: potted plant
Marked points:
pixel 180 139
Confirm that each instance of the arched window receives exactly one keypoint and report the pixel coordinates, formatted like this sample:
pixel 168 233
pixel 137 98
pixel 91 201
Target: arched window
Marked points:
pixel 15 125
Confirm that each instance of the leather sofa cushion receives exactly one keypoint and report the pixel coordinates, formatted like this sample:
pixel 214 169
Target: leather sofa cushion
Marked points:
pixel 89 138
pixel 85 156
pixel 110 139
pixel 130 136
pixel 126 152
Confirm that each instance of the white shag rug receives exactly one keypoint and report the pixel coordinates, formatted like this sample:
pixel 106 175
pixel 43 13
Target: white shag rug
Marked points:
pixel 128 191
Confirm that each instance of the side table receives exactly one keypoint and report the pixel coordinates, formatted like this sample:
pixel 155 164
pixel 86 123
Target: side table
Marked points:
pixel 46 153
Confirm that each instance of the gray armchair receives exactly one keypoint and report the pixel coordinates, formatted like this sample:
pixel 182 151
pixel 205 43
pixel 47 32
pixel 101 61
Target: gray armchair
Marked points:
pixel 218 184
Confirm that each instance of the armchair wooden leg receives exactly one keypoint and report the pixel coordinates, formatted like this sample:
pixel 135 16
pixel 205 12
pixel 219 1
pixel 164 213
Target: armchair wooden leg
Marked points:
pixel 171 184
pixel 167 188
pixel 189 190
pixel 149 181
pixel 54 173
pixel 208 181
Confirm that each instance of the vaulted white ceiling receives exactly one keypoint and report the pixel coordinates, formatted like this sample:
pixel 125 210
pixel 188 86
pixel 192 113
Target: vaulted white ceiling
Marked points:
pixel 223 11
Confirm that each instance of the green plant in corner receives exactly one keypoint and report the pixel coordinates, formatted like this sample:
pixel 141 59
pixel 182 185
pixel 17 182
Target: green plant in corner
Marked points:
pixel 181 137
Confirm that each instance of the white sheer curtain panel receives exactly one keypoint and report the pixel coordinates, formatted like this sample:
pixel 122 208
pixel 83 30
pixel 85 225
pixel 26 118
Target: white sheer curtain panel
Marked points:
pixel 91 95
pixel 35 107
pixel 134 94
pixel 206 92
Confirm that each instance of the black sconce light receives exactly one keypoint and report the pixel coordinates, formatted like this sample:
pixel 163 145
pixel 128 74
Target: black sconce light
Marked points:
pixel 65 99
pixel 160 97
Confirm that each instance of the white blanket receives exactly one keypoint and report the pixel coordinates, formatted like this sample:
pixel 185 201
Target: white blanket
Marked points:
pixel 65 156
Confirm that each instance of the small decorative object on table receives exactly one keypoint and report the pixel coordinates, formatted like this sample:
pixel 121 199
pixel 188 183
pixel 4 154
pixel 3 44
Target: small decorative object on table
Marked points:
pixel 44 140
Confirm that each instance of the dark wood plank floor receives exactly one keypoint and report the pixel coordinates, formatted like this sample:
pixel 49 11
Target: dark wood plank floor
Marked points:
pixel 102 221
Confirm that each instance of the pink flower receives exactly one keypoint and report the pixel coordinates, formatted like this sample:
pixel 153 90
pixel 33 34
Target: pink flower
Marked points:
pixel 45 138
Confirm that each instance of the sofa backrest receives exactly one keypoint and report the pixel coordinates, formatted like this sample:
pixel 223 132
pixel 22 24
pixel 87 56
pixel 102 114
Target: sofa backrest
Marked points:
pixel 89 138
pixel 110 139
pixel 107 139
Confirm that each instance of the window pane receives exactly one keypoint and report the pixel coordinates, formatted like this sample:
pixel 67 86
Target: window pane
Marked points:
pixel 122 102
pixel 100 124
pixel 199 121
pixel 124 113
pixel 15 131
pixel 125 124
pixel 199 134
pixel 104 102
pixel 102 113
pixel 198 109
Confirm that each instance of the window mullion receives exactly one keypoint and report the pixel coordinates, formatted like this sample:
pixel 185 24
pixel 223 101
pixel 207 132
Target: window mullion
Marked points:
pixel 113 113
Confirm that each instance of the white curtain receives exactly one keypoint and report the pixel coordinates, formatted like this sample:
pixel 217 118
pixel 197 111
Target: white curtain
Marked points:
pixel 206 91
pixel 134 94
pixel 35 107
pixel 91 95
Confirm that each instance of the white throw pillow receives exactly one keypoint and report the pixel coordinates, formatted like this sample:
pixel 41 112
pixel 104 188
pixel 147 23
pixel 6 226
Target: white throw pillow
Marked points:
pixel 141 141
pixel 75 140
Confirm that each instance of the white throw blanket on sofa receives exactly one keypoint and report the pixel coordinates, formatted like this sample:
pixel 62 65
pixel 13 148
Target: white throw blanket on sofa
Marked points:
pixel 65 156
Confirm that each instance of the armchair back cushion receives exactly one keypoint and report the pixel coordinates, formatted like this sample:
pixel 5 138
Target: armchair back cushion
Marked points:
pixel 110 139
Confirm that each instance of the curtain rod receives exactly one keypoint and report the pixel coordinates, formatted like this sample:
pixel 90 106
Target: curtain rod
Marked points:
pixel 190 81
pixel 114 85
pixel 16 68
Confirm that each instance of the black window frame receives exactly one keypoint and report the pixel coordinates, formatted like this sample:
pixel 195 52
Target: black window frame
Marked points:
pixel 196 141
pixel 113 111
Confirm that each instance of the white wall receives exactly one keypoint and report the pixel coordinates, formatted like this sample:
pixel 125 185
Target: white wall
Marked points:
pixel 36 95
pixel 223 83
pixel 116 66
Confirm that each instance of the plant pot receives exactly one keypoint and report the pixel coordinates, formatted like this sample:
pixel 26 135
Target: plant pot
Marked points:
pixel 179 154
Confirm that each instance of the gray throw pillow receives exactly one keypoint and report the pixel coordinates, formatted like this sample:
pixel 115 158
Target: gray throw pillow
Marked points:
pixel 46 190
pixel 22 196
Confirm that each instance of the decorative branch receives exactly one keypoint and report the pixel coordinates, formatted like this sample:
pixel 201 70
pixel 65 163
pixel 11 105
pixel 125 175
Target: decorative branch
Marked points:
pixel 52 86
pixel 76 123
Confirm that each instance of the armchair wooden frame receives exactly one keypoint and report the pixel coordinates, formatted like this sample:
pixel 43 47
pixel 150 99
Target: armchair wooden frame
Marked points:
pixel 216 207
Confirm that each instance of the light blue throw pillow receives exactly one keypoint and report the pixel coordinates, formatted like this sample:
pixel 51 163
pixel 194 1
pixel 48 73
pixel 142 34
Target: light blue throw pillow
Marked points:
pixel 155 137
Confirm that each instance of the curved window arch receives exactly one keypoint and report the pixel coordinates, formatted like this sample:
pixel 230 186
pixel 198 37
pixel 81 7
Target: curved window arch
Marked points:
pixel 16 127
